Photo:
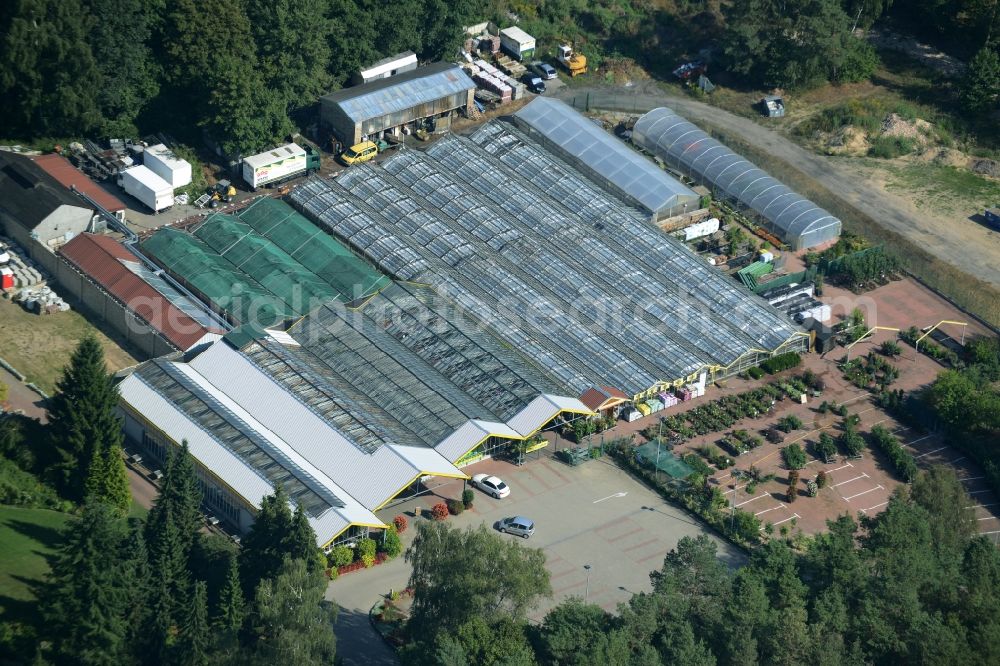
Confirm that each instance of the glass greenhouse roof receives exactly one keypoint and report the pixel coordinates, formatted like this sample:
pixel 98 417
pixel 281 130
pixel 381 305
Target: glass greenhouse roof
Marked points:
pixel 594 149
pixel 513 261
pixel 683 145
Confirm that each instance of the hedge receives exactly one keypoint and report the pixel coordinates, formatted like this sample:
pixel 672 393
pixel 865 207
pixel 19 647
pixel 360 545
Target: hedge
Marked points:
pixel 781 362
pixel 904 463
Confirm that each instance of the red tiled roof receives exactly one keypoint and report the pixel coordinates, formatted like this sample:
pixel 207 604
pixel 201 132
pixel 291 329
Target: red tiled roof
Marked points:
pixel 60 168
pixel 596 398
pixel 101 257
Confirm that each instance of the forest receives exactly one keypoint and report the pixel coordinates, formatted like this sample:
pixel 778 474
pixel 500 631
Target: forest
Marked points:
pixel 241 74
pixel 914 585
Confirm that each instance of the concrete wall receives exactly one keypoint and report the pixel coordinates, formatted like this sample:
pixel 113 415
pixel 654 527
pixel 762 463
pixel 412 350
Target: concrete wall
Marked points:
pixel 101 304
pixel 63 220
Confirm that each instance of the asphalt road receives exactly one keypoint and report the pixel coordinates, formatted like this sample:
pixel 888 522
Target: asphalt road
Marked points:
pixel 960 242
pixel 20 396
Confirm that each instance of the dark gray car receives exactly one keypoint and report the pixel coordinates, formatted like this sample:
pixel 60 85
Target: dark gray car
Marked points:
pixel 518 526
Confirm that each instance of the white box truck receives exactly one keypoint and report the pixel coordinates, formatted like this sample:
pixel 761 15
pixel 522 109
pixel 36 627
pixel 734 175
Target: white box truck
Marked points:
pixel 147 187
pixel 167 165
pixel 279 164
pixel 517 42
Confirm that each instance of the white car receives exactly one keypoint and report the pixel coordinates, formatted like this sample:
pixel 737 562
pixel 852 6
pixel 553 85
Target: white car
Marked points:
pixel 491 485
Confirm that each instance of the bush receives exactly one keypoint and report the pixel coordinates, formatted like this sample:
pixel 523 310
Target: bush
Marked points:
pixel 889 147
pixel 366 550
pixel 755 373
pixel 401 523
pixel 440 511
pixel 455 507
pixel 789 423
pixel 890 348
pixel 391 544
pixel 775 436
pixel 852 442
pixel 826 447
pixel 781 362
pixel 467 498
pixel 794 456
pixel 340 556
pixel 904 463
pixel 793 485
pixel 821 479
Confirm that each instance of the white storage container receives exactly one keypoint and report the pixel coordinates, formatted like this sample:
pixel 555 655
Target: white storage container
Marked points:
pixel 167 165
pixel 703 228
pixel 154 192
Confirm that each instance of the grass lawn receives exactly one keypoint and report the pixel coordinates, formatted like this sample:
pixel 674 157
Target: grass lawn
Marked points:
pixel 27 538
pixel 945 188
pixel 39 346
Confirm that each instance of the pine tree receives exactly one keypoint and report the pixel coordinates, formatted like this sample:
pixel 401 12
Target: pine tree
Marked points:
pixel 231 613
pixel 167 557
pixel 980 88
pixel 195 645
pixel 300 542
pixel 179 500
pixel 137 583
pixel 263 548
pixel 84 602
pixel 84 427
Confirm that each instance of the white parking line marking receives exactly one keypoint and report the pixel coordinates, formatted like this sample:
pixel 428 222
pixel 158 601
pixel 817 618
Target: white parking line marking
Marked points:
pixel 766 510
pixel 976 492
pixel 870 490
pixel 957 460
pixel 863 476
pixel 930 452
pixel 609 497
pixel 988 518
pixel 918 440
pixel 993 532
pixel 794 515
pixel 840 468
pixel 733 490
pixel 972 478
pixel 977 506
pixel 752 499
pixel 876 506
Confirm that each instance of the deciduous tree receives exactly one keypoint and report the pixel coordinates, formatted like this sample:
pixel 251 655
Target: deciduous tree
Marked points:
pixel 459 574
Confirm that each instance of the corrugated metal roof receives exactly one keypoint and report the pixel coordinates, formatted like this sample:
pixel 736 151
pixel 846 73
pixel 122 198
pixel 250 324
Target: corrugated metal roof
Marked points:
pixel 101 258
pixel 369 478
pixel 63 171
pixel 542 410
pixel 595 398
pixel 403 91
pixel 609 158
pixel 245 481
pixel 470 434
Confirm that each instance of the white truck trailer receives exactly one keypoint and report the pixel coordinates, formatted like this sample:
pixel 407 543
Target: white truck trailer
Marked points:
pixel 279 164
pixel 167 165
pixel 154 192
pixel 517 42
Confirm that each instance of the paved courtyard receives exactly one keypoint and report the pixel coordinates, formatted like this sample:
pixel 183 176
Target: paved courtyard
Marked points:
pixel 591 514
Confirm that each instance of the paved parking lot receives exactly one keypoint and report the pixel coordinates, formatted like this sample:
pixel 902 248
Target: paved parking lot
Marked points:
pixel 591 514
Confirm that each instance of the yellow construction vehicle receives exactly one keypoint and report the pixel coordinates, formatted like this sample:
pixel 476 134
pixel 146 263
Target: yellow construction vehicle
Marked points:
pixel 575 63
pixel 222 192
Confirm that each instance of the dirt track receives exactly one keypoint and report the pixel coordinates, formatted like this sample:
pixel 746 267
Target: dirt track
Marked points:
pixel 959 242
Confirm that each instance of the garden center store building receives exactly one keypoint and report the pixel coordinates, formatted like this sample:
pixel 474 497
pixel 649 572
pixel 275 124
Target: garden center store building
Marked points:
pixel 489 325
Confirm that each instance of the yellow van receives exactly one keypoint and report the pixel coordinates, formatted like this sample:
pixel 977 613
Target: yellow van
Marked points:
pixel 361 152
